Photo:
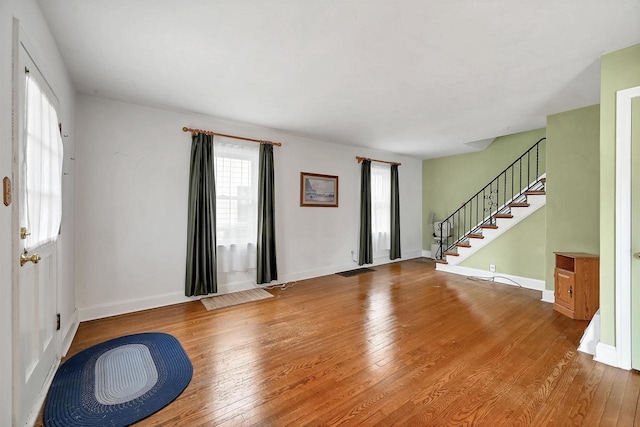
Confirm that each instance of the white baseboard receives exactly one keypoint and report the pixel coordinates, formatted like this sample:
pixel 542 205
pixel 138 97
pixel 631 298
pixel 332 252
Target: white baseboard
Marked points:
pixel 507 279
pixel 326 271
pixel 549 296
pixel 137 304
pixel 591 336
pixel 427 254
pixel 131 305
pixel 406 256
pixel 69 333
pixel 607 354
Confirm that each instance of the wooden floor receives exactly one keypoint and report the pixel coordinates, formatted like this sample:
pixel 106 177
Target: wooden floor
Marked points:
pixel 405 345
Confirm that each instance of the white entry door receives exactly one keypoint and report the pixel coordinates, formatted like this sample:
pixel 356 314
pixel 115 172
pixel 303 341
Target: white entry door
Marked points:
pixel 36 347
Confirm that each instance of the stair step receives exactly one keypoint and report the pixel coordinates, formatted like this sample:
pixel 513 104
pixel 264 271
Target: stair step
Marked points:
pixel 503 216
pixel 451 253
pixel 519 205
pixel 441 261
pixel 463 245
pixel 475 236
pixel 491 226
pixel 535 193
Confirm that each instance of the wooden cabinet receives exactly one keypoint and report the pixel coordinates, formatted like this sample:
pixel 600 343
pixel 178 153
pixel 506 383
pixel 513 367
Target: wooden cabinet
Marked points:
pixel 577 282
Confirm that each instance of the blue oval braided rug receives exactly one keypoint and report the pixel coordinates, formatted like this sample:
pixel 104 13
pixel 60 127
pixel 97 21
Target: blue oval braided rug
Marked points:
pixel 118 382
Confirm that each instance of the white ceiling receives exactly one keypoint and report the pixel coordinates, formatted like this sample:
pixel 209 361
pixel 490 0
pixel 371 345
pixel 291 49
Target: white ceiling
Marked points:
pixel 421 78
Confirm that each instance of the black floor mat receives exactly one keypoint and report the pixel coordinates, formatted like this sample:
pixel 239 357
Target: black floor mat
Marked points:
pixel 355 272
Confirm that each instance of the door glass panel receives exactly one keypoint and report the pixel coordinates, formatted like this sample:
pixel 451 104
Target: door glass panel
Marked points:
pixel 42 166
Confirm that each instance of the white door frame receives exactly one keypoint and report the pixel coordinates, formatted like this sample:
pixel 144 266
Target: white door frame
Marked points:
pixel 623 255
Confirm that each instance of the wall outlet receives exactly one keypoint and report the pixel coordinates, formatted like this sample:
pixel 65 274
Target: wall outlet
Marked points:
pixel 492 268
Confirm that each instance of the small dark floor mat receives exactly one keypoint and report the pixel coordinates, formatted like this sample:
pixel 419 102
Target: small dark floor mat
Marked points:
pixel 355 272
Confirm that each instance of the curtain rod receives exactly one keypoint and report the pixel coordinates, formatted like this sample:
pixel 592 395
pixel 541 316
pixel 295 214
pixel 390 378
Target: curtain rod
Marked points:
pixel 360 159
pixel 208 132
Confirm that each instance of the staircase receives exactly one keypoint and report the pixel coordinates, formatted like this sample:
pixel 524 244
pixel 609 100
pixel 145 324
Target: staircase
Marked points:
pixel 517 192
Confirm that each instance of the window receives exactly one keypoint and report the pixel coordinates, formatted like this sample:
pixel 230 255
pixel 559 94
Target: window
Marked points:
pixel 380 206
pixel 236 205
pixel 42 166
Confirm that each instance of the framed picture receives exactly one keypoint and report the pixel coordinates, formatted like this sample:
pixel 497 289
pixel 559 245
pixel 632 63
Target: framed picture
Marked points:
pixel 318 190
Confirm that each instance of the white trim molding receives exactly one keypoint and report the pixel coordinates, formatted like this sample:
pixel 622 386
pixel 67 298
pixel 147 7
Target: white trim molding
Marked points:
pixel 607 354
pixel 137 304
pixel 623 255
pixel 591 336
pixel 131 305
pixel 549 295
pixel 507 279
pixel 69 333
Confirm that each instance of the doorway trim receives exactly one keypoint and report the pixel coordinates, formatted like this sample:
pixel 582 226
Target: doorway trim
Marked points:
pixel 623 253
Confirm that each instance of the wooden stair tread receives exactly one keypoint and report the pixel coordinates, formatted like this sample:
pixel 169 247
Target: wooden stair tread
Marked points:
pixel 451 253
pixel 519 205
pixel 441 261
pixel 503 216
pixel 475 236
pixel 463 245
pixel 535 193
pixel 491 226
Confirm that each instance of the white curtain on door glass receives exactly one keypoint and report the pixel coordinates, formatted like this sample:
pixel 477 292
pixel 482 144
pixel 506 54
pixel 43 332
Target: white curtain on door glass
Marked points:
pixel 236 205
pixel 380 206
pixel 42 159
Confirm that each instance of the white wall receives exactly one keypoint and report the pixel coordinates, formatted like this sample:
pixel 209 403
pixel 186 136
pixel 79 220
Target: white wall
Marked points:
pixel 133 167
pixel 50 62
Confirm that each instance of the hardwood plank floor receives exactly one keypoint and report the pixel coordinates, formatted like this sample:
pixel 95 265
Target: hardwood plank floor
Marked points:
pixel 404 345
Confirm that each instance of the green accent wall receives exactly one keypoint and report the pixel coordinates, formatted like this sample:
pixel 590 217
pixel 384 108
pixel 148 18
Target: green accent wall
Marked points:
pixel 573 184
pixel 448 182
pixel 619 70
pixel 520 251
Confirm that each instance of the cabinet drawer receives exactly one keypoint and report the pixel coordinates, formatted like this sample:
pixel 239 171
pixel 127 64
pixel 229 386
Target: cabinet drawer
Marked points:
pixel 565 287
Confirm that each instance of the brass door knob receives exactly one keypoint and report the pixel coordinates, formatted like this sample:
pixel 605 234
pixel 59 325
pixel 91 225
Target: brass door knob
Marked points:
pixel 24 258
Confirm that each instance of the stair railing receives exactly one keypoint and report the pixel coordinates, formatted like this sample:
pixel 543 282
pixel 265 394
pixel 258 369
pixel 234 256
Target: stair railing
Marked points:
pixel 494 198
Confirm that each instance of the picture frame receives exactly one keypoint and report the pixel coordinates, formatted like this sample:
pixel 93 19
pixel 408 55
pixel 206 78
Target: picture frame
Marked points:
pixel 317 190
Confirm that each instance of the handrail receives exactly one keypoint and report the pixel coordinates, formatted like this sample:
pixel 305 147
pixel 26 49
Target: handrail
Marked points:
pixel 458 230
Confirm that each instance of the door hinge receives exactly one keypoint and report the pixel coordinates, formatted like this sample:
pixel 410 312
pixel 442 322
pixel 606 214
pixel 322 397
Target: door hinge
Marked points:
pixel 58 322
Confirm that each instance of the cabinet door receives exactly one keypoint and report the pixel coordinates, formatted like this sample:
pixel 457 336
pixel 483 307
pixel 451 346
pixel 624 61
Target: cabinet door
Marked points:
pixel 565 288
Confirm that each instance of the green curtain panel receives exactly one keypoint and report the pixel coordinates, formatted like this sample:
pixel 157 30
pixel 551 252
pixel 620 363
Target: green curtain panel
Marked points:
pixel 365 248
pixel 266 249
pixel 395 214
pixel 201 224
